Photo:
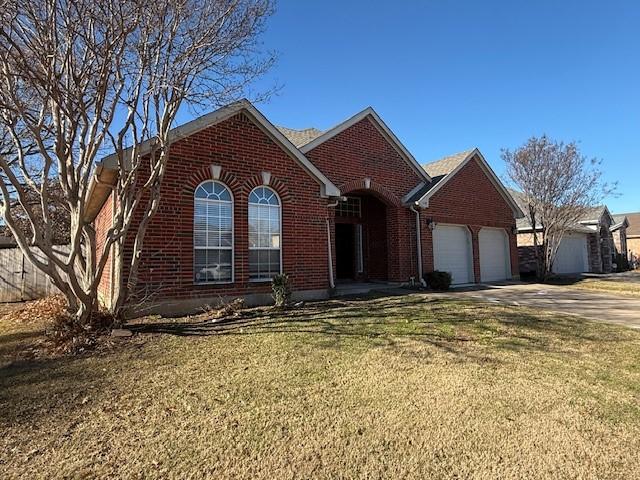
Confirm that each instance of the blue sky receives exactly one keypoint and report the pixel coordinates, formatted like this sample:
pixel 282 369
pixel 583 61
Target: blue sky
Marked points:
pixel 449 75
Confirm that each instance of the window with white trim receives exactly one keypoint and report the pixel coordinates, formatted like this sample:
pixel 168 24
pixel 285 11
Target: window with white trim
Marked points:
pixel 264 234
pixel 213 233
pixel 351 207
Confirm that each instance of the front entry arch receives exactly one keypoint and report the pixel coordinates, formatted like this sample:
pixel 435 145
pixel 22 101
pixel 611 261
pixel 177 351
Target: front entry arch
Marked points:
pixel 361 238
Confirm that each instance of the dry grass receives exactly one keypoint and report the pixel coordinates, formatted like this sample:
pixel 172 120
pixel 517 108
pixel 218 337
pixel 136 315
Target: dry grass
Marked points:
pixel 627 283
pixel 384 388
pixel 610 286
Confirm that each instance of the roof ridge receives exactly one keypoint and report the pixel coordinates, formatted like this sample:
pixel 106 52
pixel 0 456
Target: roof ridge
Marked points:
pixel 298 129
pixel 299 137
pixel 446 157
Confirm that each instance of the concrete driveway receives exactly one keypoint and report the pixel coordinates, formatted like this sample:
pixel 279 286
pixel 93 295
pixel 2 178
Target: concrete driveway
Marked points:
pixel 620 309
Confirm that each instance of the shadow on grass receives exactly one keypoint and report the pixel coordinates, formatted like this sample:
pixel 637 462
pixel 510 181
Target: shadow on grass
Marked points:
pixel 464 330
pixel 37 388
pixel 386 320
pixel 10 343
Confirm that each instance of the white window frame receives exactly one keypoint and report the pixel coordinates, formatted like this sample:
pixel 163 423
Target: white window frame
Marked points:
pixel 233 236
pixel 357 200
pixel 262 280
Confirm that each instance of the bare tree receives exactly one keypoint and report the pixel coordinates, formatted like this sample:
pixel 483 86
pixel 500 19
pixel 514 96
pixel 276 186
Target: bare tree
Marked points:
pixel 80 78
pixel 58 221
pixel 558 187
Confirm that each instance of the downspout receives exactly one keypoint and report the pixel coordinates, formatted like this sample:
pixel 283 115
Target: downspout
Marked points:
pixel 418 244
pixel 331 282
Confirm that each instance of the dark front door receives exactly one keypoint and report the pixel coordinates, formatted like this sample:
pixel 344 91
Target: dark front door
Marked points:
pixel 345 249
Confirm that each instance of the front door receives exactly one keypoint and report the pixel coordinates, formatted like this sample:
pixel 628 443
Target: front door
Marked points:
pixel 345 250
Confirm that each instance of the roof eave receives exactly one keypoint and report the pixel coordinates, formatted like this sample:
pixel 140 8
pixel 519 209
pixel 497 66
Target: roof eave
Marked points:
pixel 110 163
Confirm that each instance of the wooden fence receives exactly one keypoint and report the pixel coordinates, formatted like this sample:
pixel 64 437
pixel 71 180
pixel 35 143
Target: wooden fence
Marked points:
pixel 20 280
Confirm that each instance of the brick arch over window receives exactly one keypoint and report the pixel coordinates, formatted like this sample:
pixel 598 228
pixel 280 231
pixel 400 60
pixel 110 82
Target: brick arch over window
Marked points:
pixel 274 183
pixel 376 189
pixel 204 173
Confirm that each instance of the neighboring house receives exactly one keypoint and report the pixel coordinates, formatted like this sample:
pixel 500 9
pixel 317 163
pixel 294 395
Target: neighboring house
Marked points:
pixel 587 247
pixel 632 237
pixel 619 232
pixel 243 200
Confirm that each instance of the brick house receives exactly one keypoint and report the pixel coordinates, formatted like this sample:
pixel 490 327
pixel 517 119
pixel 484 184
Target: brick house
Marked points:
pixel 619 234
pixel 589 246
pixel 631 244
pixel 243 200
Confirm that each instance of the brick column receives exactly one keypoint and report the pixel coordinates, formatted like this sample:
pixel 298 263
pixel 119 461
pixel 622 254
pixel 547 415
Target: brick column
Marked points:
pixel 476 252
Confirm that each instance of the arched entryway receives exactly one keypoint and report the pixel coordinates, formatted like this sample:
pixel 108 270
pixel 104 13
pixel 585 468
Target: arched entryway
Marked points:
pixel 361 237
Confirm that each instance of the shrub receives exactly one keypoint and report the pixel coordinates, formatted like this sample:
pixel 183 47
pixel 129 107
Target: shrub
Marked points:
pixel 438 280
pixel 622 264
pixel 281 289
pixel 225 309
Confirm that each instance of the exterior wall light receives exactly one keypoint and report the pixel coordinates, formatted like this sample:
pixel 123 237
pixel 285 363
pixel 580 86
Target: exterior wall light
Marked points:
pixel 430 223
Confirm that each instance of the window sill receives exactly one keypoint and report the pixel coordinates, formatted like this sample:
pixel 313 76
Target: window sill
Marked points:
pixel 260 280
pixel 230 282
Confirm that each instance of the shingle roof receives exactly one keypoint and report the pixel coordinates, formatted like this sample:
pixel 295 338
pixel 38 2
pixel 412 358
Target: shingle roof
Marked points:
pixel 421 192
pixel 634 223
pixel 593 214
pixel 300 137
pixel 618 218
pixel 524 223
pixel 437 171
pixel 447 164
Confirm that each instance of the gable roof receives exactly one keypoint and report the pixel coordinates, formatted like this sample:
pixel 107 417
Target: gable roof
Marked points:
pixel 633 230
pixel 523 223
pixel 382 127
pixel 443 170
pixel 594 215
pixel 107 169
pixel 300 137
pixel 619 221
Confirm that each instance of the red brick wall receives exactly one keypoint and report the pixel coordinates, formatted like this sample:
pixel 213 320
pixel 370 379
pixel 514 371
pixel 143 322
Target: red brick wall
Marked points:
pixel 362 151
pixel 104 221
pixel 243 151
pixel 469 198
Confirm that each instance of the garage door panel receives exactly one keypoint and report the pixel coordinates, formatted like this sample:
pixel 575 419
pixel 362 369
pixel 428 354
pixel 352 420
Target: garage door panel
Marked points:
pixel 452 252
pixel 572 256
pixel 495 262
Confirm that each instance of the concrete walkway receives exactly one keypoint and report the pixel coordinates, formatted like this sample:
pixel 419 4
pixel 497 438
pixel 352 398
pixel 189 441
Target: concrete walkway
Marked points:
pixel 620 309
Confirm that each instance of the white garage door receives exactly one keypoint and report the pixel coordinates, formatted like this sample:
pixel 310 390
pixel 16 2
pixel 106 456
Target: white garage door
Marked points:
pixel 452 252
pixel 572 256
pixel 494 255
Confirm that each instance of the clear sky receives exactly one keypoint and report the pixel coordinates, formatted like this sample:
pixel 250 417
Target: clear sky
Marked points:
pixel 450 75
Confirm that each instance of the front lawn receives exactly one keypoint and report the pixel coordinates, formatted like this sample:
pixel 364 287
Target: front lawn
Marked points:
pixel 627 283
pixel 389 387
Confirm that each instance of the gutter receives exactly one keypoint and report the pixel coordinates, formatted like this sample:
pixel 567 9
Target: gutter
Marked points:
pixel 418 243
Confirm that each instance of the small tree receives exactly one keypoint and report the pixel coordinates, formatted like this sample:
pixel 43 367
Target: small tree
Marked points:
pixel 558 186
pixel 83 78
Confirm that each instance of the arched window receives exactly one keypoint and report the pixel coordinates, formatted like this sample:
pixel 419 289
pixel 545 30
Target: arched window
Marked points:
pixel 264 234
pixel 213 233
